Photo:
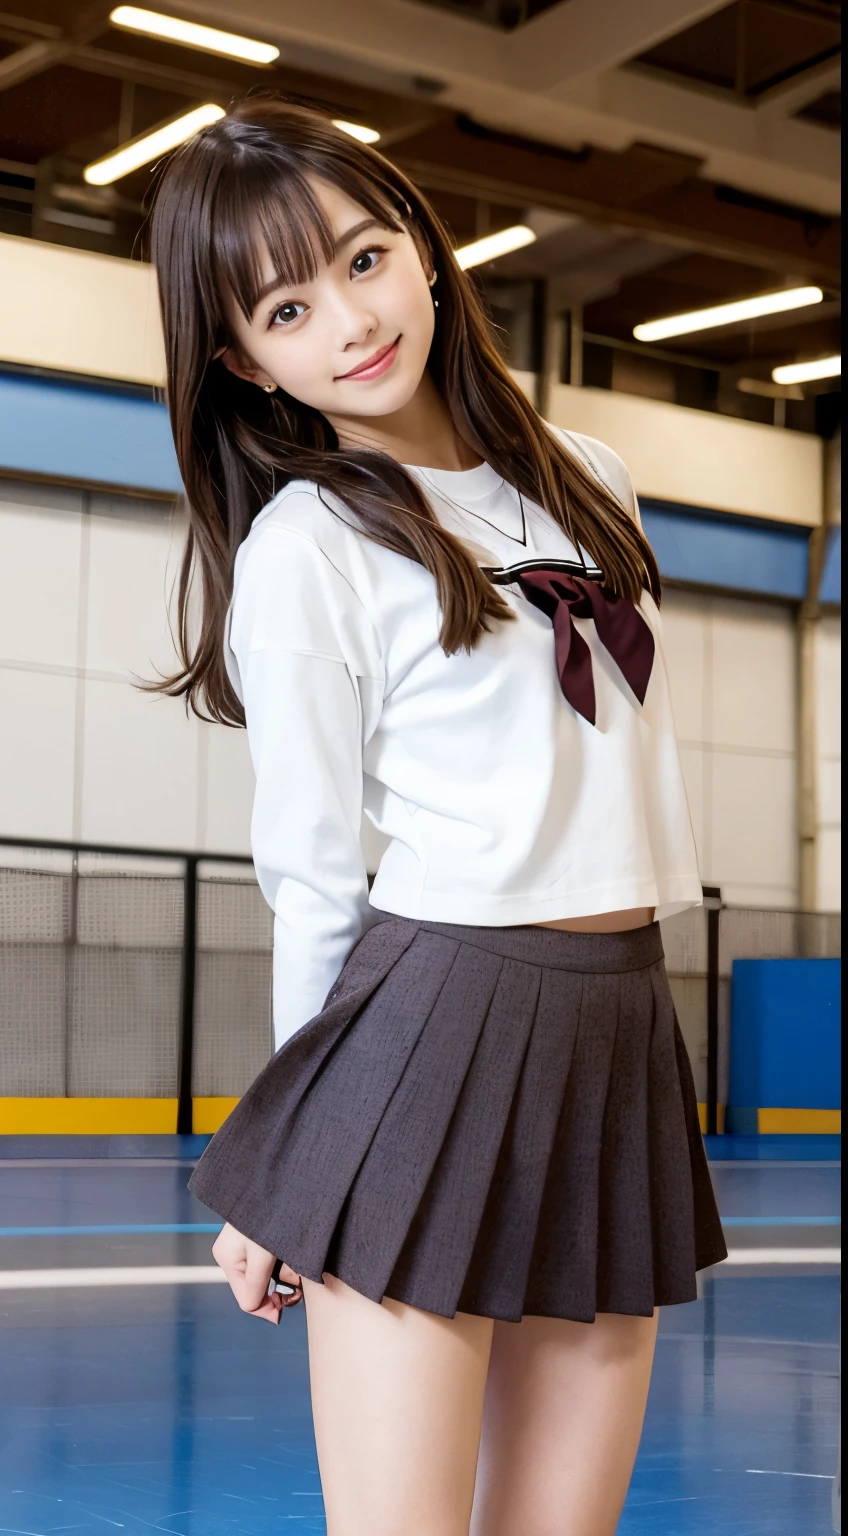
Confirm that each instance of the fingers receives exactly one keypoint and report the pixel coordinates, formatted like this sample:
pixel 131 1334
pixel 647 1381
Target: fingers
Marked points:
pixel 291 1277
pixel 248 1267
pixel 270 1309
pixel 248 1270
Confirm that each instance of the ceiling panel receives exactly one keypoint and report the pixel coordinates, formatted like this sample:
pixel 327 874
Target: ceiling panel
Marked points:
pixel 752 45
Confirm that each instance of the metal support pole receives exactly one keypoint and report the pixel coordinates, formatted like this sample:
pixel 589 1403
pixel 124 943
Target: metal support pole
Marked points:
pixel 185 1124
pixel 539 345
pixel 712 902
pixel 809 628
pixel 575 346
pixel 809 624
pixel 71 940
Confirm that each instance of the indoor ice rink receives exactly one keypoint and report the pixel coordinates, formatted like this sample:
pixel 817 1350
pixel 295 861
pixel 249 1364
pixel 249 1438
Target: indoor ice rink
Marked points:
pixel 607 169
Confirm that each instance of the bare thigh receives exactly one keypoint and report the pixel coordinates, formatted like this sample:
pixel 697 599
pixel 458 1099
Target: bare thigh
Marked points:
pixel 563 1414
pixel 397 1399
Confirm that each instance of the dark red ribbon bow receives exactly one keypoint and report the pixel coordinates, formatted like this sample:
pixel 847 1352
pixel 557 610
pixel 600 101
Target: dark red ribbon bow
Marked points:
pixel 621 629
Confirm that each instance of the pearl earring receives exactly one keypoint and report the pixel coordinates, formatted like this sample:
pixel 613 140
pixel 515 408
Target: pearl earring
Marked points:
pixel 269 388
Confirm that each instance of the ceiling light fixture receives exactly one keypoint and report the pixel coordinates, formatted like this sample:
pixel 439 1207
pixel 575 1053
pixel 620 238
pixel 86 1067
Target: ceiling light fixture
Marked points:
pixel 491 246
pixel 769 391
pixel 728 314
pixel 133 19
pixel 357 131
pixel 804 373
pixel 149 146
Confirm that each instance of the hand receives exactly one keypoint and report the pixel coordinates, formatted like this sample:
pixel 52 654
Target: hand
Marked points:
pixel 248 1270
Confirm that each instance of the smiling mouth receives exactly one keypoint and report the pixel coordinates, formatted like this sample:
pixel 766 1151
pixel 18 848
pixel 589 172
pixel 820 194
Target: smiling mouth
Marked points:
pixel 373 366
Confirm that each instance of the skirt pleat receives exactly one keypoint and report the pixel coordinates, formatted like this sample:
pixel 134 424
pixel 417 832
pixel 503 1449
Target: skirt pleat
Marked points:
pixel 564 1253
pixel 672 1205
pixel 494 1121
pixel 438 1258
pixel 394 1173
pixel 625 1266
pixel 279 1167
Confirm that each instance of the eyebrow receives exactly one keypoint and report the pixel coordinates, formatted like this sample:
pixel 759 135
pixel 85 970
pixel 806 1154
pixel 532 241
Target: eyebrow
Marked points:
pixel 343 240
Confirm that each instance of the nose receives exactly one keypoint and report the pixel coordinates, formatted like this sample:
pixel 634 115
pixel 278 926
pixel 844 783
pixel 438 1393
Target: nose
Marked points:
pixel 355 319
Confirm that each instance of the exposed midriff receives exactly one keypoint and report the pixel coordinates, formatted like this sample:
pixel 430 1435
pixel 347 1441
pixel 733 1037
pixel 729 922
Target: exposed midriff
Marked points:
pixel 603 922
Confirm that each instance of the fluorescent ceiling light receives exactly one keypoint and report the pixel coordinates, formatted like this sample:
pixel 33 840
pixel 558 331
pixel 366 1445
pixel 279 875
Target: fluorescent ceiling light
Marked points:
pixel 128 157
pixel 803 373
pixel 133 19
pixel 357 131
pixel 728 314
pixel 492 246
pixel 768 391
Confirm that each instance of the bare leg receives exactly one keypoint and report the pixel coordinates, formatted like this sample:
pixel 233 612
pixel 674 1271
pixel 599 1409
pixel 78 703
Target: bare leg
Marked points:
pixel 397 1399
pixel 563 1415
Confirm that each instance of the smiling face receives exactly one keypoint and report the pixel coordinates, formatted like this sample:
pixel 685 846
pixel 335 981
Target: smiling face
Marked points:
pixel 353 342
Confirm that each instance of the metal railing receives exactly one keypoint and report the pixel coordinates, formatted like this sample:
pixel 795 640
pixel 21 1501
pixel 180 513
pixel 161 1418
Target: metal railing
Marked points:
pixel 120 962
pixel 146 972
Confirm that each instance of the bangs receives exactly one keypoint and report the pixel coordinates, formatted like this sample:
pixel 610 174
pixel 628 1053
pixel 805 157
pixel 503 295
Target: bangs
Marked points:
pixel 270 206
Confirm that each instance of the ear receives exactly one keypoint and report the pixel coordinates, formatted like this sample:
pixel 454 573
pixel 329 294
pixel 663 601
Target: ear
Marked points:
pixel 242 366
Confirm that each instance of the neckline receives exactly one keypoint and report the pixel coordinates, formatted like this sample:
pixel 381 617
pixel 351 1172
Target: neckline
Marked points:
pixel 461 485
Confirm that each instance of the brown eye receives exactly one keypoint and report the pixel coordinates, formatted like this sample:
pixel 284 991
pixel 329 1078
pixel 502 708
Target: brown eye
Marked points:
pixel 365 262
pixel 288 312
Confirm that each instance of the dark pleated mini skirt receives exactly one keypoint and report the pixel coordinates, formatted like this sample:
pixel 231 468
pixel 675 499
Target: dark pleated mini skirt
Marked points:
pixel 499 1121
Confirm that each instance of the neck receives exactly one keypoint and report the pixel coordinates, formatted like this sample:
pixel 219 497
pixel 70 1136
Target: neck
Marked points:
pixel 421 433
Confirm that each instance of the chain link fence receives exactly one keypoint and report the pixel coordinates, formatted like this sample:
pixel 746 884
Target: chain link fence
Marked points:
pixel 92 975
pixel 145 975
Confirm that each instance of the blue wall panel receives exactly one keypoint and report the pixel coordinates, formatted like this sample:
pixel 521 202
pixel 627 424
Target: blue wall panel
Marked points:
pixel 830 590
pixel 784 1034
pixel 712 550
pixel 99 436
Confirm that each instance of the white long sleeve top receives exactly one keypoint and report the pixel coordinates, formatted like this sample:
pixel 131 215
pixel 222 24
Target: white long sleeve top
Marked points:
pixel 498 803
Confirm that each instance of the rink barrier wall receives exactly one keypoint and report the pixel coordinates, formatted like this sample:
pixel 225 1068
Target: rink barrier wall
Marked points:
pixel 158 1117
pixel 105 435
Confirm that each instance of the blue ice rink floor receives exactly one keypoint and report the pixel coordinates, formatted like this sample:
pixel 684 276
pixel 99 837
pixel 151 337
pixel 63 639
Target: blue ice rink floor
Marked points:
pixel 162 1408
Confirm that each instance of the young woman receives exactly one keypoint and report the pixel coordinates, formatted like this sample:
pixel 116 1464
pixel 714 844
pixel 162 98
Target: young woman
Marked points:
pixel 477 1148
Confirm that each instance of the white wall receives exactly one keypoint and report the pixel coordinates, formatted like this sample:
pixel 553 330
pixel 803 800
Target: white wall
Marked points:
pixel 84 580
pixel 83 587
pixel 700 458
pixel 829 765
pixel 732 666
pixel 102 318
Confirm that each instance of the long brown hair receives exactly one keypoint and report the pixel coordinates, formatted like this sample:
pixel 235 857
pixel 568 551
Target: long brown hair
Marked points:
pixel 238 446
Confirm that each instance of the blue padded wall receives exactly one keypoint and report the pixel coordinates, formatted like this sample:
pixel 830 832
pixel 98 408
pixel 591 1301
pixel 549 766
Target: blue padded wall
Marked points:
pixel 725 551
pixel 830 590
pixel 784 1034
pixel 89 433
pixel 109 434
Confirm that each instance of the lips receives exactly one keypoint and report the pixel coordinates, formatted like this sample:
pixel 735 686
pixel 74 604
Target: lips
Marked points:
pixel 374 365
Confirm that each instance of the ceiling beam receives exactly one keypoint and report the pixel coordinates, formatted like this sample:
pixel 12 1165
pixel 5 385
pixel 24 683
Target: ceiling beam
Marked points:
pixel 31 60
pixel 22 28
pixel 52 46
pixel 638 189
pixel 546 80
pixel 792 161
pixel 583 37
pixel 793 95
pixel 565 42
pixel 123 66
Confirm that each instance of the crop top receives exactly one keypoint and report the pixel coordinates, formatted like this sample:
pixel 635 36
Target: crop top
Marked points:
pixel 499 802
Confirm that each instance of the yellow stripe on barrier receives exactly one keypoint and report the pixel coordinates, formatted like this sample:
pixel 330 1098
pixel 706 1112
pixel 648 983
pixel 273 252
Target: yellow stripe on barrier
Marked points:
pixel 702 1118
pixel 158 1117
pixel 107 1117
pixel 208 1115
pixel 88 1117
pixel 800 1122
